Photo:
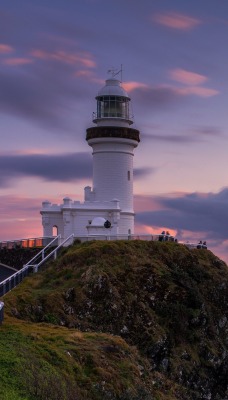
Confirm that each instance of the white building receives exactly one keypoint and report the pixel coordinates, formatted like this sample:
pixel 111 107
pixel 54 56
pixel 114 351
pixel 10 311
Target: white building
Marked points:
pixel 110 199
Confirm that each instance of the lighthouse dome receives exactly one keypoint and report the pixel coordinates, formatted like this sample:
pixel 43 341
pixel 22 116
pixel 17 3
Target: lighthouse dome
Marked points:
pixel 112 88
pixel 98 221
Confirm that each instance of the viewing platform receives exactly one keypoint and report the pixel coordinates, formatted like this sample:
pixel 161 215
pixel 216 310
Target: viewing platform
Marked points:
pixel 44 241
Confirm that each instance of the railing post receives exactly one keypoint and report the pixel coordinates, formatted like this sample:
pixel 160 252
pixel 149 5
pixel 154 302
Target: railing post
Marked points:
pixel 35 268
pixel 1 312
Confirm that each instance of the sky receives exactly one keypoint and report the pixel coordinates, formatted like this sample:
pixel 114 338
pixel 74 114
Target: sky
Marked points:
pixel 55 57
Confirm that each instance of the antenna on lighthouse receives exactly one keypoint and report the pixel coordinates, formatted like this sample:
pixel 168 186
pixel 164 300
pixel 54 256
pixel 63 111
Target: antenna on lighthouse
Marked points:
pixel 114 72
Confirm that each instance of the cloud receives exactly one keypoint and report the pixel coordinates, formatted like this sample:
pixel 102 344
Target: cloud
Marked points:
pixel 163 96
pixel 14 207
pixel 187 77
pixel 176 21
pixel 193 212
pixel 5 48
pixel 50 167
pixel 157 96
pixel 171 138
pixel 43 94
pixel 17 61
pixel 197 134
pixel 198 91
pixel 85 74
pixel 68 167
pixel 81 58
pixel 206 131
pixel 130 86
pixel 20 217
pixel 193 82
pixel 139 173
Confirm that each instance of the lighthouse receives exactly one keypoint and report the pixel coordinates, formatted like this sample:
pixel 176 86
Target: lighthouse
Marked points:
pixel 113 142
pixel 108 203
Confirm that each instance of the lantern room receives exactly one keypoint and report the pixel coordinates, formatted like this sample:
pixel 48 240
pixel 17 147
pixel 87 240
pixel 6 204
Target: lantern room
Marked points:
pixel 112 105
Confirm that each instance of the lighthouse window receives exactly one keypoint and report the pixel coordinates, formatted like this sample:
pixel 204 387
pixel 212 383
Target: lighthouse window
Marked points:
pixel 106 108
pixel 55 230
pixel 112 106
pixel 129 175
pixel 125 109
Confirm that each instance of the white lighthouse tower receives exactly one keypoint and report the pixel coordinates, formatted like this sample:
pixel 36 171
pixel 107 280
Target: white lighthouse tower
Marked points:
pixel 109 202
pixel 113 143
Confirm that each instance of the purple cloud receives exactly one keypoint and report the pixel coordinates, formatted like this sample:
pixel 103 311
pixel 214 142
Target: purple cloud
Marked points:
pixel 170 138
pixel 192 212
pixel 139 173
pixel 208 131
pixel 67 167
pixel 154 98
pixel 44 94
pixel 50 167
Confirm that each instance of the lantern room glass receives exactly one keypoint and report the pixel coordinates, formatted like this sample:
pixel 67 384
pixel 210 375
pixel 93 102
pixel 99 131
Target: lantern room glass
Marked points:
pixel 113 107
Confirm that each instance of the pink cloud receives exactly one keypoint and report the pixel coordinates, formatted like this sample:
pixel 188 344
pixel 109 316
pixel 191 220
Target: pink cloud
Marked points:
pixel 187 77
pixel 143 202
pixel 29 151
pixel 5 48
pixel 176 21
pixel 12 207
pixel 20 229
pixel 130 86
pixel 20 217
pixel 84 74
pixel 197 91
pixel 17 61
pixel 141 229
pixel 40 54
pixel 84 59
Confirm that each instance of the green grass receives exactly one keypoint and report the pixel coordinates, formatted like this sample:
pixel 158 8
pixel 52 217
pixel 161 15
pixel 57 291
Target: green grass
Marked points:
pixel 39 360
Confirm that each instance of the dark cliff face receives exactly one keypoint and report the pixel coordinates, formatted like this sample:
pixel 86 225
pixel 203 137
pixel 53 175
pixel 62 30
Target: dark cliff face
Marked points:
pixel 168 301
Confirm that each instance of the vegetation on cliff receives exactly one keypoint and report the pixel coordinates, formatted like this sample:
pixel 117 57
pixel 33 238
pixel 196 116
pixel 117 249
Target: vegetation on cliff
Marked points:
pixel 119 320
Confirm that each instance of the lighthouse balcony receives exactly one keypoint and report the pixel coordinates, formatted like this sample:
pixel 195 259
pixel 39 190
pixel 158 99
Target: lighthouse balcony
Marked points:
pixel 112 132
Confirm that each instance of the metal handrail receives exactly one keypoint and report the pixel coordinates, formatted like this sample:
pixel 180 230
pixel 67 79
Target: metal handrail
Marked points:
pixel 11 281
pixel 36 266
pixel 43 250
pixel 25 267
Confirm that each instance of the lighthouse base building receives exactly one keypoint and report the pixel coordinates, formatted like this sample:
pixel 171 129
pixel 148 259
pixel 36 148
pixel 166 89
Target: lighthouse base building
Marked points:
pixel 108 205
pixel 85 219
